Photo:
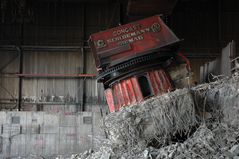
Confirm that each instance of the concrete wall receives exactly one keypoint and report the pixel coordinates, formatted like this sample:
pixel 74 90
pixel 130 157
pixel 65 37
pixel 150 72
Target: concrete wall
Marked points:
pixel 48 134
pixel 53 24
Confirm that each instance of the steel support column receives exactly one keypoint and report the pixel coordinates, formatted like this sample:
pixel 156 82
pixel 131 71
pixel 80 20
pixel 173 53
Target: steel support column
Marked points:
pixel 20 80
pixel 83 61
pixel 21 65
pixel 220 22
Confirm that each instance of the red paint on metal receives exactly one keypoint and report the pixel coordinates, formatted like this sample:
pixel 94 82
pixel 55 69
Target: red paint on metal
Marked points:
pixel 131 40
pixel 154 84
pixel 122 91
pixel 168 82
pixel 137 90
pixel 165 83
pixel 118 95
pixel 121 44
pixel 110 99
pixel 160 82
pixel 125 93
pixel 185 59
pixel 128 92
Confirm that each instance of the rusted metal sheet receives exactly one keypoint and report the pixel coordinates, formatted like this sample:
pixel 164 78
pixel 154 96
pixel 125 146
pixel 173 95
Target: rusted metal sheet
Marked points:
pixel 160 82
pixel 30 75
pixel 128 41
pixel 124 93
pixel 131 60
pixel 110 99
pixel 128 92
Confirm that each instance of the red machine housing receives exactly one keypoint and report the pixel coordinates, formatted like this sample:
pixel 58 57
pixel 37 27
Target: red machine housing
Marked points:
pixel 131 60
pixel 128 41
pixel 137 88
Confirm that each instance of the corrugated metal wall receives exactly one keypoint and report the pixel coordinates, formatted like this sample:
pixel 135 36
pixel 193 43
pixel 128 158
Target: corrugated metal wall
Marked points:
pixel 38 90
pixel 205 26
pixel 51 63
pixel 8 85
pixel 57 24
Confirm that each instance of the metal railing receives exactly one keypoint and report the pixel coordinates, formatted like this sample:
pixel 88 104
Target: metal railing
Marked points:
pixel 235 65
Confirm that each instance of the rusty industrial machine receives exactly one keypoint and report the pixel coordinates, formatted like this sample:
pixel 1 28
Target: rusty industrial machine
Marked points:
pixel 137 61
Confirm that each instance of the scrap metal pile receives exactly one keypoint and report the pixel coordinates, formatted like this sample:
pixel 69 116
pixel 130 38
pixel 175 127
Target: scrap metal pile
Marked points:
pixel 201 122
pixel 139 64
pixel 157 118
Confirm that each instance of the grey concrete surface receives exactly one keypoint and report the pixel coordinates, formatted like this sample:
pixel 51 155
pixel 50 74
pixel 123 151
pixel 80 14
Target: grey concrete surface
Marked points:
pixel 47 134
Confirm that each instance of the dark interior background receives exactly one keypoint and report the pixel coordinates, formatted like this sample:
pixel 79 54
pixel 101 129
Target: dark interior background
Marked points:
pixel 55 31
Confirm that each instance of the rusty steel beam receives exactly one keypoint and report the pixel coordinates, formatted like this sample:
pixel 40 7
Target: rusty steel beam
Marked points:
pixel 56 75
pixel 82 83
pixel 20 80
pixel 28 48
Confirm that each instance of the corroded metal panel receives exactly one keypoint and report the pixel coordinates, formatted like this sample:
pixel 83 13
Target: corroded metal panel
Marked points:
pixel 128 41
pixel 129 91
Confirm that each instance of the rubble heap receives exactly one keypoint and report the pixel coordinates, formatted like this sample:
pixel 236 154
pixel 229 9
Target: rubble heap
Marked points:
pixel 204 144
pixel 211 109
pixel 157 118
pixel 221 98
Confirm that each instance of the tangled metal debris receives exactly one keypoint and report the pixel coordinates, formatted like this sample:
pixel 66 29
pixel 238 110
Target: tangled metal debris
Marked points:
pixel 133 130
pixel 155 119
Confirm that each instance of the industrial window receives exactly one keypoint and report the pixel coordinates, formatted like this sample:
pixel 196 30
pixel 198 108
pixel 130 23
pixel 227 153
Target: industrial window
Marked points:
pixel 87 120
pixel 15 120
pixel 144 86
pixel 39 107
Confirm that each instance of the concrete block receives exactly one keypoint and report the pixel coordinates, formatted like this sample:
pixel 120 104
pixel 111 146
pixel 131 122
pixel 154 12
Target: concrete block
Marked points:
pixel 68 120
pixel 50 123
